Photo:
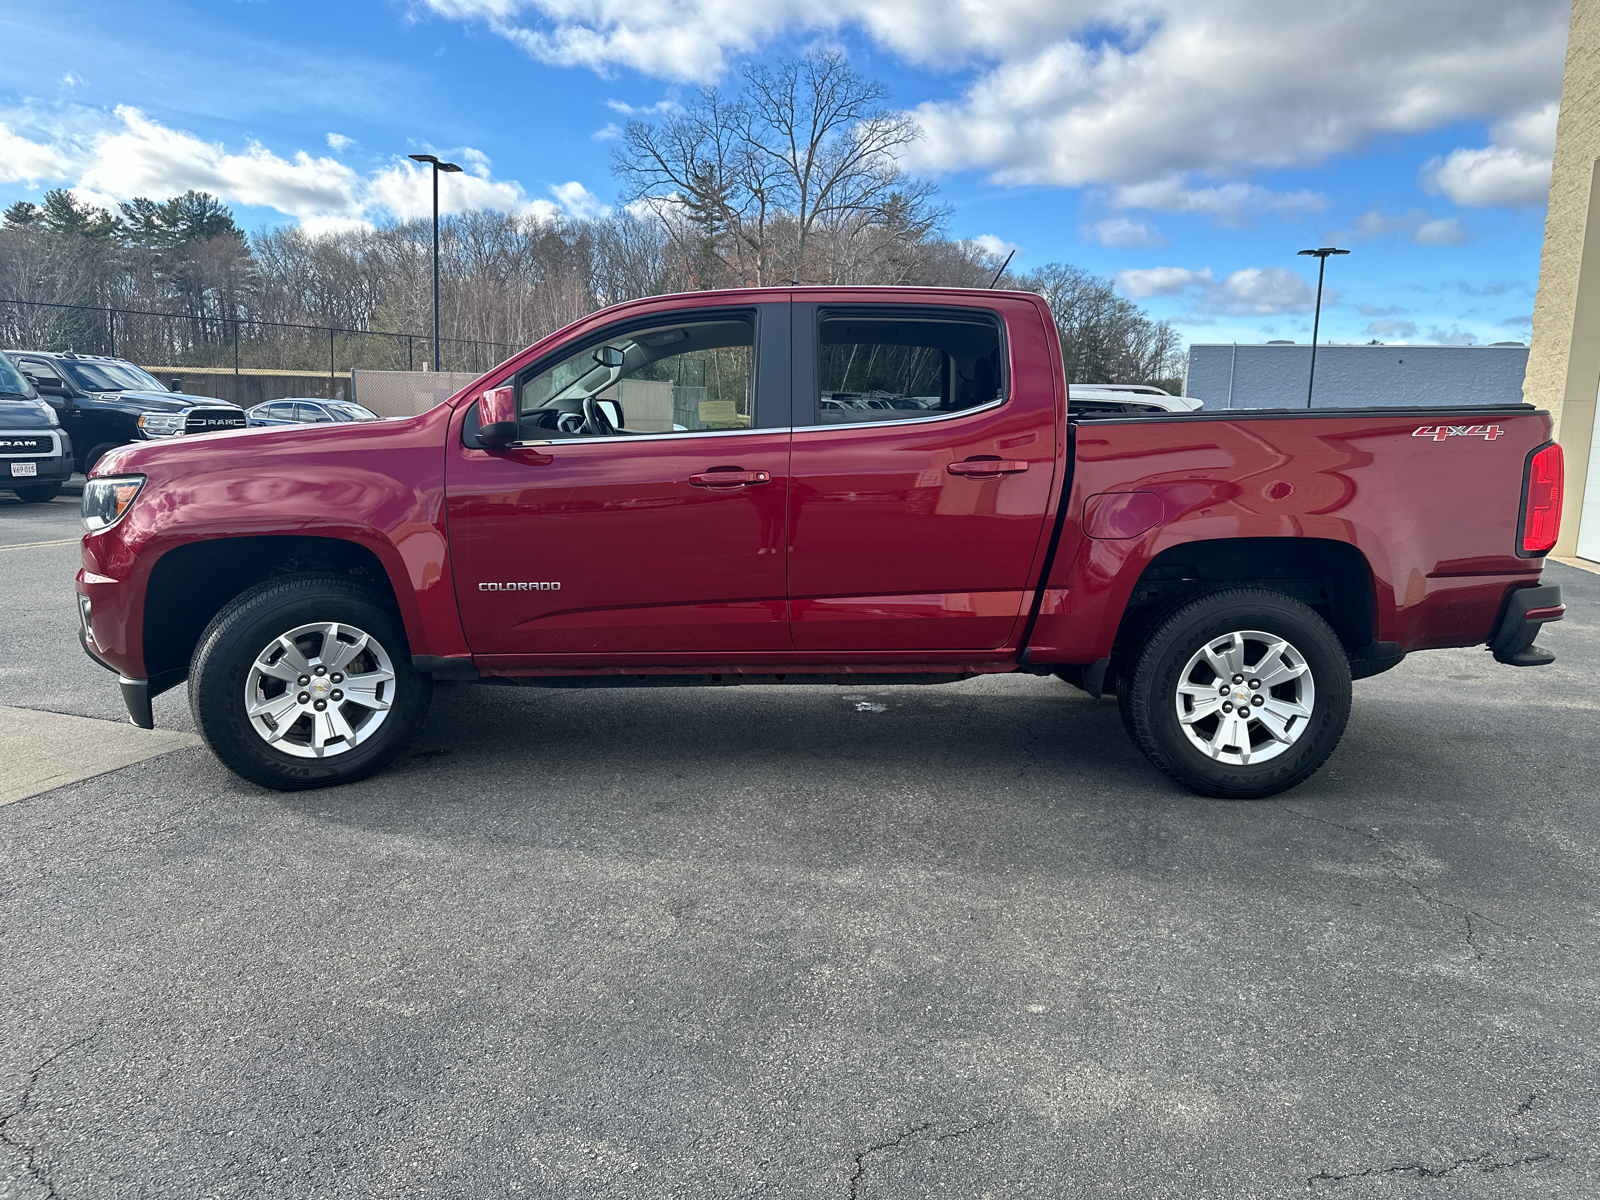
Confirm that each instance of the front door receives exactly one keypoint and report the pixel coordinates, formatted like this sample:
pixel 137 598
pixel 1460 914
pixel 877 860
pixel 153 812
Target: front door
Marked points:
pixel 75 418
pixel 641 513
pixel 922 472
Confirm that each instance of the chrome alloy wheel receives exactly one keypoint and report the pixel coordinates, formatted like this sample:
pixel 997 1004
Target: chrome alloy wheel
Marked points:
pixel 1245 697
pixel 319 690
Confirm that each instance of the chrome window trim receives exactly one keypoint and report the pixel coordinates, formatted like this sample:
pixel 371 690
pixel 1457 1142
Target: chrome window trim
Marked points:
pixel 946 416
pixel 55 443
pixel 676 435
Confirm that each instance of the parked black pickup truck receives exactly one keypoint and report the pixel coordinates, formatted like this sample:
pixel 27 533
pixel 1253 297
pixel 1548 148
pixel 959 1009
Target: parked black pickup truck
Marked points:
pixel 104 403
pixel 35 453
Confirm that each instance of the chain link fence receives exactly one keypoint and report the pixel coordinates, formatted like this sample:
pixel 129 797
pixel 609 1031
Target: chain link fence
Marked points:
pixel 242 360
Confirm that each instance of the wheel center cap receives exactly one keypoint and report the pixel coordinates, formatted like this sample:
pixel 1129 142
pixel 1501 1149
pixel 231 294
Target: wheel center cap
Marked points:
pixel 321 686
pixel 1242 697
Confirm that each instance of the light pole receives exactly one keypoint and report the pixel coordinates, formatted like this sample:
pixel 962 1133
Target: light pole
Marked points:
pixel 1320 255
pixel 438 165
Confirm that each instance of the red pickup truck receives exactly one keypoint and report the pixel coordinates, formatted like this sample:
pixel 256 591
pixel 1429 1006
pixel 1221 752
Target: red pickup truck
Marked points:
pixel 816 485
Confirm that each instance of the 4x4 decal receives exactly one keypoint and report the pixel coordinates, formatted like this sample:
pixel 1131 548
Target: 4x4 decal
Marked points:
pixel 1439 432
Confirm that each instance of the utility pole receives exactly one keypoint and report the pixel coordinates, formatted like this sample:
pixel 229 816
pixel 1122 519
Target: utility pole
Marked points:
pixel 1321 255
pixel 438 165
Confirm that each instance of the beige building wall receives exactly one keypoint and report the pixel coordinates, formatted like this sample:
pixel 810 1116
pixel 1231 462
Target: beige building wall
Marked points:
pixel 1564 355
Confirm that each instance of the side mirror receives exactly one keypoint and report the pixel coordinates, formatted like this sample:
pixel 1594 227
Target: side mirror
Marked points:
pixel 497 417
pixel 609 356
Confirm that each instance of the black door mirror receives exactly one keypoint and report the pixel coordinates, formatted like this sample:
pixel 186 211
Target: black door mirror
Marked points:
pixel 609 356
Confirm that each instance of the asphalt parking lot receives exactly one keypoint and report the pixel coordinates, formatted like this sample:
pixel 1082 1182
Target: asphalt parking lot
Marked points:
pixel 809 942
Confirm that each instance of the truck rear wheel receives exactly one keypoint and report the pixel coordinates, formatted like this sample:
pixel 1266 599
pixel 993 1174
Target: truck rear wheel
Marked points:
pixel 306 682
pixel 1238 694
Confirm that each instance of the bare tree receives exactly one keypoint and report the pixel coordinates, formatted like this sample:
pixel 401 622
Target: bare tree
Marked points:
pixel 752 183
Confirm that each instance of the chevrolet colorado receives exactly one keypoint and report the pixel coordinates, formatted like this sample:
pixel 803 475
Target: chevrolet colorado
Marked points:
pixel 815 485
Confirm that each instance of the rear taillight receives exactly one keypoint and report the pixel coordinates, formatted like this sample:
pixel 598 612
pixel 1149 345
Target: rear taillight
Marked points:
pixel 1541 501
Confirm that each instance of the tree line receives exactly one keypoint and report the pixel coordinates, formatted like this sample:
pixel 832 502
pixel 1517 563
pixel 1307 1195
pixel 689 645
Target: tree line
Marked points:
pixel 794 178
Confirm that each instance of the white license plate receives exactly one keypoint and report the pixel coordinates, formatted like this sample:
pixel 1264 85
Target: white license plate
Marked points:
pixel 20 469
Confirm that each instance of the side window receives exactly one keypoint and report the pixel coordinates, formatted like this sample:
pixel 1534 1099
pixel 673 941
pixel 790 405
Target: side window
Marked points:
pixel 40 372
pixel 683 377
pixel 879 365
pixel 311 413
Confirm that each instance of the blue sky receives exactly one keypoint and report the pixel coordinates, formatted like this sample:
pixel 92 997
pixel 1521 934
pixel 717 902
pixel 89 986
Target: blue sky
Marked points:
pixel 1187 148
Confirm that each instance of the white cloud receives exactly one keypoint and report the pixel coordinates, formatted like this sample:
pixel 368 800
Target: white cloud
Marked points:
pixel 145 158
pixel 1444 231
pixel 22 161
pixel 658 109
pixel 994 247
pixel 609 132
pixel 1419 227
pixel 1454 336
pixel 1161 281
pixel 1232 205
pixel 1392 329
pixel 1251 292
pixel 1078 92
pixel 1123 233
pixel 105 158
pixel 578 201
pixel 405 189
pixel 1513 171
pixel 338 143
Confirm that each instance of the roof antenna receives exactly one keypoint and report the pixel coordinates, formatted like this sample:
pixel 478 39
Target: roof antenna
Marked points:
pixel 1002 269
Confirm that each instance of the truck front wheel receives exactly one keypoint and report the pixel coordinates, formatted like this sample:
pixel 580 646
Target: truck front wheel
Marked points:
pixel 1238 694
pixel 305 682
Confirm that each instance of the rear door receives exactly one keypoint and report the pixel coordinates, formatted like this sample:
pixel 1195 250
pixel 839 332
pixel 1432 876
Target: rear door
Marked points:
pixel 923 469
pixel 648 522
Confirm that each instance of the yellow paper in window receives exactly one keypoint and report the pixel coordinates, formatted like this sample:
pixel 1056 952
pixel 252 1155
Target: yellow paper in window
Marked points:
pixel 719 412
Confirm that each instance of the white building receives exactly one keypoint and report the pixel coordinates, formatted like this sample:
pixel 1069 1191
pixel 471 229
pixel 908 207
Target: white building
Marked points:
pixel 1275 375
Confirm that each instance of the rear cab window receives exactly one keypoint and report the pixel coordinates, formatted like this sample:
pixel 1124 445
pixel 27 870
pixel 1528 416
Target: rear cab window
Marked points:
pixel 882 363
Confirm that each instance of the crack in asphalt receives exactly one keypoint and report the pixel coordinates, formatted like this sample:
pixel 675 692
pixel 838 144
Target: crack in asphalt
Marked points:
pixel 1486 1161
pixel 1424 1171
pixel 899 1139
pixel 30 1151
pixel 1466 915
pixel 1395 868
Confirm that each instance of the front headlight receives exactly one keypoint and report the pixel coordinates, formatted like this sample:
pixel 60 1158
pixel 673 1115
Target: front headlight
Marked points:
pixel 162 424
pixel 105 500
pixel 50 415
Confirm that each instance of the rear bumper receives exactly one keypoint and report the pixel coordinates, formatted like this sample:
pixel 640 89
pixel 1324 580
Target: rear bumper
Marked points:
pixel 1527 611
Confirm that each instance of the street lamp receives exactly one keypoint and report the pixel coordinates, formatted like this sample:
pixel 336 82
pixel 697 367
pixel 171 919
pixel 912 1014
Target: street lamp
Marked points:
pixel 1322 265
pixel 438 165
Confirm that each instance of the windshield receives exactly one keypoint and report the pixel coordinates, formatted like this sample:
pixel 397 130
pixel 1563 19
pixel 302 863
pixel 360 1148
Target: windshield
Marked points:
pixel 349 412
pixel 11 379
pixel 111 377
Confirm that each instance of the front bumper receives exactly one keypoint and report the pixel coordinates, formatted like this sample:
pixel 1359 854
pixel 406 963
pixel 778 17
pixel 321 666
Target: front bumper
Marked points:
pixel 1527 611
pixel 51 469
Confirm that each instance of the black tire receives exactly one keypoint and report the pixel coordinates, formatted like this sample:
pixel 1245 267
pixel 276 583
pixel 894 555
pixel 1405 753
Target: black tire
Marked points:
pixel 96 454
pixel 38 493
pixel 221 668
pixel 1148 694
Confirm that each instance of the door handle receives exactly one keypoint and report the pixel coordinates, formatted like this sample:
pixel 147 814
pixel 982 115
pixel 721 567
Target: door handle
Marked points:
pixel 988 466
pixel 729 478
